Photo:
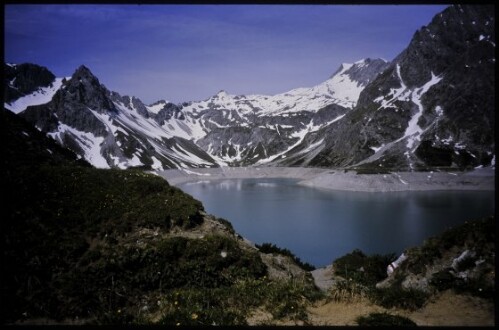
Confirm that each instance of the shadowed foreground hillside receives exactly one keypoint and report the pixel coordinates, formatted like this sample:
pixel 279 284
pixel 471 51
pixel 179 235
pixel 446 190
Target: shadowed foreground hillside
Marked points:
pixel 112 246
pixel 88 246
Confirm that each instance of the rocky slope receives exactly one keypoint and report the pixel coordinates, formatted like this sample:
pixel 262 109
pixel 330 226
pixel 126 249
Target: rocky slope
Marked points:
pixel 110 130
pixel 432 107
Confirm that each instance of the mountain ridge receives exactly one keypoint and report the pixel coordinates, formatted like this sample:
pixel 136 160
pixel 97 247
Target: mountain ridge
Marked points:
pixel 73 103
pixel 431 107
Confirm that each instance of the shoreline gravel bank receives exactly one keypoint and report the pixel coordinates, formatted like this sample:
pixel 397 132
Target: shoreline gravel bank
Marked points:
pixel 336 179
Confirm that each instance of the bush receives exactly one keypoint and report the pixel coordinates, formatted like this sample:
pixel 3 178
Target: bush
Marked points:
pixel 227 225
pixel 384 319
pixel 347 291
pixel 367 270
pixel 444 280
pixel 271 248
pixel 396 296
pixel 231 305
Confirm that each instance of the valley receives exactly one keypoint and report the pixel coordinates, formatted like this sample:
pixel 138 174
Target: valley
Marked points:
pixel 96 229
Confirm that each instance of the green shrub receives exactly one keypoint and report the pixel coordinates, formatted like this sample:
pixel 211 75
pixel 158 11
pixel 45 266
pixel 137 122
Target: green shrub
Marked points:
pixel 367 270
pixel 465 264
pixel 231 305
pixel 347 291
pixel 384 319
pixel 444 280
pixel 396 296
pixel 227 225
pixel 272 248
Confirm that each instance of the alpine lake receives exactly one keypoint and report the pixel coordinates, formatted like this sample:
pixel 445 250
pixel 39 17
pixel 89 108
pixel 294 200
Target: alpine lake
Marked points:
pixel 319 225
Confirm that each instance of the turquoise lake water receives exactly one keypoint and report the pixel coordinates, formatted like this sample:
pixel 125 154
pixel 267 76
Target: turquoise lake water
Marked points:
pixel 322 225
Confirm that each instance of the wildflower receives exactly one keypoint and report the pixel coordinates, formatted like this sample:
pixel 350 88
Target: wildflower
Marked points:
pixel 176 302
pixel 194 316
pixel 119 311
pixel 178 323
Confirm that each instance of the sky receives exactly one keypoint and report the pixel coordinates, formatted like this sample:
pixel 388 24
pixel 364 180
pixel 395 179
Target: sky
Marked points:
pixel 190 52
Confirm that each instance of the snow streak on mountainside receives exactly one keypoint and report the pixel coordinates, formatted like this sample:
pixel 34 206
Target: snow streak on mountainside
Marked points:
pixel 28 84
pixel 256 129
pixel 110 130
pixel 343 88
pixel 432 107
pixel 41 96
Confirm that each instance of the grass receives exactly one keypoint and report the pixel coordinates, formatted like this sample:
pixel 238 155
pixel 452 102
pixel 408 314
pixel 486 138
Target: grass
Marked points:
pixel 231 305
pixel 384 319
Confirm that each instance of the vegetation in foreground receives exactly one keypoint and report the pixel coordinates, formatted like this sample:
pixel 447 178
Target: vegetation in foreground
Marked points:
pixel 83 245
pixel 272 248
pixel 384 319
pixel 433 267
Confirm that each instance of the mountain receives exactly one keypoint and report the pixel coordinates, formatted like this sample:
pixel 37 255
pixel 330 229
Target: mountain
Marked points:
pixel 110 130
pixel 28 84
pixel 432 107
pixel 256 129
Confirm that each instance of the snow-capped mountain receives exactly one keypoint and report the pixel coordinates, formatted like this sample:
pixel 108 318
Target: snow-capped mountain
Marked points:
pixel 432 106
pixel 255 129
pixel 28 84
pixel 110 130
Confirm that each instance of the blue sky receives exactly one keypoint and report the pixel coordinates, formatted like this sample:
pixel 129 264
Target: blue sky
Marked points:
pixel 190 52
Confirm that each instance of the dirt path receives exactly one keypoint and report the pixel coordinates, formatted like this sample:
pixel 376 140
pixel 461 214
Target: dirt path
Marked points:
pixel 447 309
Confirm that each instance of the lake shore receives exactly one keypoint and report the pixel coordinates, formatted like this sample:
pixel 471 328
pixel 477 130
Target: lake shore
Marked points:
pixel 335 179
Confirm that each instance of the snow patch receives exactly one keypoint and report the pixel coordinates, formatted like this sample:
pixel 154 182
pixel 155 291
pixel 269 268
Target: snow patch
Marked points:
pixel 155 108
pixel 156 164
pixel 41 96
pixel 90 144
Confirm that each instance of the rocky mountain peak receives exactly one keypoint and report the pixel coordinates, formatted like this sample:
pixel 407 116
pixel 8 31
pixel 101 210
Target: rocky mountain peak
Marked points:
pixel 342 68
pixel 456 30
pixel 222 93
pixel 84 74
pixel 363 70
pixel 84 88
